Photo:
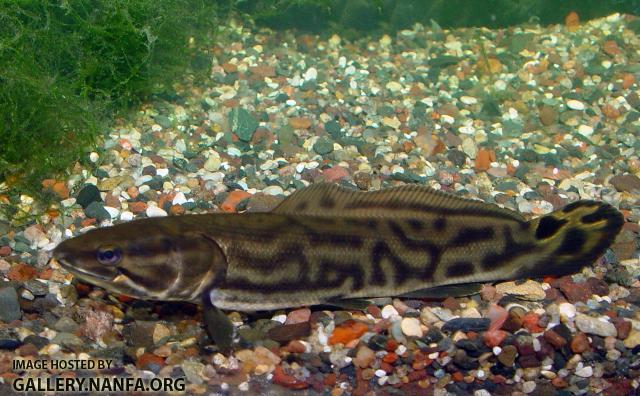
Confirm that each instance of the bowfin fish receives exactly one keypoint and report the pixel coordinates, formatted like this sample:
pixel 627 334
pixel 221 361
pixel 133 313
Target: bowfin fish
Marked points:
pixel 326 244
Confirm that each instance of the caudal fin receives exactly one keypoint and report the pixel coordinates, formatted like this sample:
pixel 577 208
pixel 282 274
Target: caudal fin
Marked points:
pixel 575 236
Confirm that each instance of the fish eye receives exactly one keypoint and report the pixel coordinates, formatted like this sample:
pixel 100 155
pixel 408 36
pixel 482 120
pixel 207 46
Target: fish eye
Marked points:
pixel 109 255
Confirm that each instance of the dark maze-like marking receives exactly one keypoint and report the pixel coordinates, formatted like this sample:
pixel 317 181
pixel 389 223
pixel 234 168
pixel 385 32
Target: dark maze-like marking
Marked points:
pixel 512 251
pixel 460 269
pixel 469 235
pixel 433 251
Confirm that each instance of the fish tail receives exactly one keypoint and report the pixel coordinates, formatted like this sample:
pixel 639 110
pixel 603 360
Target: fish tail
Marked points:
pixel 574 236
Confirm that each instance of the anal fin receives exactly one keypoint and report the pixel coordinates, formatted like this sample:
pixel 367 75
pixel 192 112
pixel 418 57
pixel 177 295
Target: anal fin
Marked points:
pixel 460 290
pixel 350 303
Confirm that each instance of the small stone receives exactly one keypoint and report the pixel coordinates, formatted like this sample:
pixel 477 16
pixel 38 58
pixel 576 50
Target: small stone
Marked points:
pixel 335 174
pixel 66 325
pixel 554 338
pixel 633 340
pixel 298 316
pixel 289 332
pixel 529 290
pixel 548 115
pixel 300 122
pixel 484 157
pixel 88 194
pixel 10 306
pixel 155 211
pixel 96 210
pixel 411 327
pixel 394 86
pixel 591 325
pixel 68 340
pixel 585 130
pixel 574 104
pixel 626 182
pixel 212 163
pixel 273 190
pixel 585 372
pixel 579 343
pixel 388 312
pixel 160 332
pixel 21 272
pixel 567 311
pixel 467 324
pixel 242 123
pixel 348 332
pixel 364 357
pixel 528 386
pixel 623 327
pixel 508 355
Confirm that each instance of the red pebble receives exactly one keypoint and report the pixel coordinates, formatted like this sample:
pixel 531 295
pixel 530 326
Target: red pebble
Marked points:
pixel 283 379
pixel 21 272
pixel 147 359
pixel 498 316
pixel 554 339
pixel 530 322
pixel 494 338
pixel 623 327
pixel 579 343
pixel 5 251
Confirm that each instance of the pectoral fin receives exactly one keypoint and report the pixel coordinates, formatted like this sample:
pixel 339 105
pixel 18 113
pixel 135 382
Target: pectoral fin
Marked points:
pixel 217 324
pixel 461 290
pixel 350 303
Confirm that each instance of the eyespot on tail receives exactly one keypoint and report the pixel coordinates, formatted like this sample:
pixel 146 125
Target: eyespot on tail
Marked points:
pixel 575 236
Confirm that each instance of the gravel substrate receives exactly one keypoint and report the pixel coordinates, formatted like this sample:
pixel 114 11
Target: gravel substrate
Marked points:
pixel 528 117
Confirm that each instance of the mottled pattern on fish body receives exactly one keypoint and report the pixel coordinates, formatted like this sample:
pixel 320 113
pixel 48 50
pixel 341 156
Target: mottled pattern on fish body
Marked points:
pixel 326 243
pixel 329 243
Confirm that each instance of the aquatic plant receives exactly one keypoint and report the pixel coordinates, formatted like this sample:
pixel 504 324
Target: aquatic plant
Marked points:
pixel 66 66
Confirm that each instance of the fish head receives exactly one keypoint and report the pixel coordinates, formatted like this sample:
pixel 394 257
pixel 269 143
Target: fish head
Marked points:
pixel 146 259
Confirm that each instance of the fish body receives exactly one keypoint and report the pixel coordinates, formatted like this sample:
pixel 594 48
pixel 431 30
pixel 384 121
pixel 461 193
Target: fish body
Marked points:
pixel 326 243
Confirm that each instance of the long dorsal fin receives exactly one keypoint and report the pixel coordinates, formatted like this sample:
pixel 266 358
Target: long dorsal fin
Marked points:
pixel 325 199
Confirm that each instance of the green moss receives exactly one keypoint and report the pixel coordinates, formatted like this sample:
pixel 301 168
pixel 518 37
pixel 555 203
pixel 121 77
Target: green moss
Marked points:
pixel 66 66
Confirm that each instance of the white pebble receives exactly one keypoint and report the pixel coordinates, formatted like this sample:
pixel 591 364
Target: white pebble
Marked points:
pixel 411 327
pixel 394 86
pixel 154 211
pixel 126 216
pixel 585 130
pixel 27 295
pixel 162 172
pixel 273 190
pixel 179 199
pixel 575 104
pixel 389 311
pixel 468 100
pixel 567 311
pixel 94 157
pixel 113 212
pixel 68 202
pixel 311 74
pixel 380 373
pixel 280 318
pixel 497 350
pixel 528 386
pixel 584 372
pixel 244 386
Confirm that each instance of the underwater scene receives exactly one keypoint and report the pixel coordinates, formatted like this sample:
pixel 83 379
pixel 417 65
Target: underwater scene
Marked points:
pixel 296 197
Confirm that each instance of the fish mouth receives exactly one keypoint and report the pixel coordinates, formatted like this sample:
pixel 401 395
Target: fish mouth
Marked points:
pixel 79 272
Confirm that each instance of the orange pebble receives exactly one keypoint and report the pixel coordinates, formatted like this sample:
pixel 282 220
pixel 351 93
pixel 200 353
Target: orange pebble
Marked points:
pixel 348 332
pixel 390 358
pixel 457 376
pixel 484 157
pixel 233 199
pixel 572 21
pixel 627 80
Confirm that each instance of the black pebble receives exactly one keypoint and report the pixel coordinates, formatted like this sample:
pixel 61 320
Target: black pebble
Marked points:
pixel 88 194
